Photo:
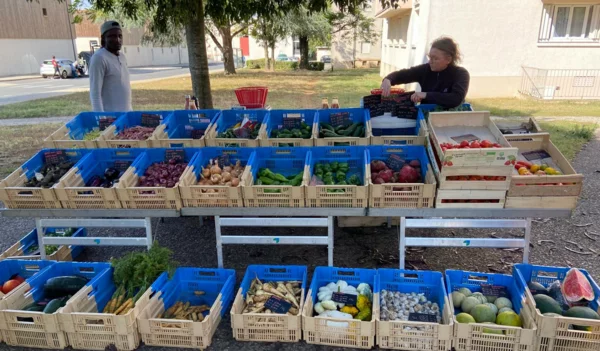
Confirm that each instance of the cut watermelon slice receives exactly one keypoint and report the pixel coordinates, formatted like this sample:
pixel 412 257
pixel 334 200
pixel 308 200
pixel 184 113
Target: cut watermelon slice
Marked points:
pixel 576 287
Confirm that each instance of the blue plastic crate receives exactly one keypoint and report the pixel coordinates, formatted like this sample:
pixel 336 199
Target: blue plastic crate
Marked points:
pixel 276 117
pixel 24 268
pixel 407 152
pixel 546 275
pixel 356 115
pixel 85 122
pixel 31 240
pixel 353 276
pixel 212 153
pixel 35 163
pixel 97 161
pixel 150 156
pixel 134 118
pixel 212 281
pixel 181 124
pixel 286 161
pixel 356 156
pixel 229 118
pixel 405 281
pixel 89 270
pixel 456 279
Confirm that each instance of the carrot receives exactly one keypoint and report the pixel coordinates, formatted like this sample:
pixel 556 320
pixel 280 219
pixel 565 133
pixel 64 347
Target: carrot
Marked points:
pixel 124 306
pixel 108 305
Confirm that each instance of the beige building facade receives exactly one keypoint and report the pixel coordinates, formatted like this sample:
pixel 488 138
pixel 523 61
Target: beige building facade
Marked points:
pixel 508 46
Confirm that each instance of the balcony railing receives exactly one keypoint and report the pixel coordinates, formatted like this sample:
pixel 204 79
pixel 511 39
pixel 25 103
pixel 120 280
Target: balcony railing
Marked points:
pixel 567 84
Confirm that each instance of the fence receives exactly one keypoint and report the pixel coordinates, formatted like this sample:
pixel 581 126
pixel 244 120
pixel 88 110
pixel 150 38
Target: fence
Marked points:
pixel 549 84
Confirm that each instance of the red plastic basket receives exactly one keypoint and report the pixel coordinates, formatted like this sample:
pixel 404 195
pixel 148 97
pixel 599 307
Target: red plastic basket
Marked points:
pixel 392 91
pixel 252 97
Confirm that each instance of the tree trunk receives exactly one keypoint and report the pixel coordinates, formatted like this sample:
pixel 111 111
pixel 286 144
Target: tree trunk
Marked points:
pixel 273 56
pixel 196 42
pixel 228 61
pixel 267 59
pixel 303 52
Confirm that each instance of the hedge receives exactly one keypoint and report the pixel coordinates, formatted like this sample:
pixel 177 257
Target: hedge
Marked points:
pixel 284 65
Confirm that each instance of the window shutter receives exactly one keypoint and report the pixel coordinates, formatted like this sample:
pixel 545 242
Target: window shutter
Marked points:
pixel 595 24
pixel 546 23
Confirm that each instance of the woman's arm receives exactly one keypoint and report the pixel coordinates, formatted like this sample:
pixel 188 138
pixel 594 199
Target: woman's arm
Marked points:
pixel 456 96
pixel 408 75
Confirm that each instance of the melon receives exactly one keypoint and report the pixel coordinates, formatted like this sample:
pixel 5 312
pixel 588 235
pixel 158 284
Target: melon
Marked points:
pixel 491 299
pixel 546 304
pixel 480 297
pixel 483 313
pixel 505 309
pixel 493 307
pixel 582 312
pixel 465 318
pixel 536 288
pixel 509 319
pixel 457 298
pixel 465 291
pixel 492 331
pixel 468 304
pixel 503 302
pixel 576 287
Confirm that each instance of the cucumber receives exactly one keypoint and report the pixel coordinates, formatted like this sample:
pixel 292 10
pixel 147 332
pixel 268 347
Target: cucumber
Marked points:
pixel 62 286
pixel 326 126
pixel 34 307
pixel 350 130
pixel 55 304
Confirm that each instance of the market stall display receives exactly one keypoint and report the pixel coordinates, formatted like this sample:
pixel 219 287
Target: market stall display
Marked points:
pixel 134 129
pixel 268 305
pixel 92 182
pixel 287 128
pixel 513 127
pixel 186 128
pixel 237 128
pixel 204 183
pixel 32 184
pixel 342 127
pixel 82 131
pixel 349 188
pixel 152 181
pixel 275 177
pixel 400 177
pixel 169 320
pixel 327 321
pixel 28 248
pixel 486 305
pixel 29 315
pixel 542 176
pixel 563 302
pixel 414 312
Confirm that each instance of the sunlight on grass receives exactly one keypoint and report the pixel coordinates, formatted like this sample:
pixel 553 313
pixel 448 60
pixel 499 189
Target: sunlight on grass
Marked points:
pixel 18 143
pixel 569 137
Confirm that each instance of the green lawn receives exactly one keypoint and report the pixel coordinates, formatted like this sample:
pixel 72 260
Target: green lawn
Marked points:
pixel 528 107
pixel 569 137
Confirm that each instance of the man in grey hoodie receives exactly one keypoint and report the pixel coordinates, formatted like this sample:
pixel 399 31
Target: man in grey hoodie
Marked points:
pixel 110 87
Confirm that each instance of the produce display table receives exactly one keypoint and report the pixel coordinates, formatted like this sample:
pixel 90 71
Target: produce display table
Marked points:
pixel 293 217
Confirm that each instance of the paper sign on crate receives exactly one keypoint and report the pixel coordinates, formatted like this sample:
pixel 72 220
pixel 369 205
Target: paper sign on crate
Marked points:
pixel 277 305
pixel 395 162
pixel 467 137
pixel 174 154
pixel 340 119
pixel 292 121
pixel 536 155
pixel 494 290
pixel 150 120
pixel 348 299
pixel 422 317
pixel 105 122
pixel 55 157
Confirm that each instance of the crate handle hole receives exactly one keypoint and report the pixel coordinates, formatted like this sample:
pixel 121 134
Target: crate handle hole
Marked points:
pixel 86 269
pixel 25 193
pixel 410 276
pixel 207 274
pixel 176 145
pixel 25 319
pixel 94 322
pixel 31 267
pixel 478 278
pixel 349 273
pixel 277 270
pixel 542 274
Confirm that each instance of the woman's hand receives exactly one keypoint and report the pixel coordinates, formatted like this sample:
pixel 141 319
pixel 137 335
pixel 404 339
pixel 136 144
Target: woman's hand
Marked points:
pixel 418 97
pixel 386 87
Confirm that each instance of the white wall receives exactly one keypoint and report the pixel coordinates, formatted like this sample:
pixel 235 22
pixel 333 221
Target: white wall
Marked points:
pixel 285 46
pixel 83 43
pixel 24 56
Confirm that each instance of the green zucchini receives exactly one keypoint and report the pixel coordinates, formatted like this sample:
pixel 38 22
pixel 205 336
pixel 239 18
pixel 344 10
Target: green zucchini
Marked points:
pixel 55 304
pixel 62 286
pixel 349 130
pixel 326 126
pixel 34 307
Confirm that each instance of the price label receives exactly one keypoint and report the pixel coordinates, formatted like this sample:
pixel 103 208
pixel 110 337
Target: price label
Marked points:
pixel 405 112
pixel 105 122
pixel 340 119
pixel 395 162
pixel 197 133
pixel 151 120
pixel 278 305
pixel 174 154
pixel 224 160
pixel 121 165
pixel 347 299
pixel 292 120
pixel 494 290
pixel 422 317
pixel 55 157
pixel 467 137
pixel 535 155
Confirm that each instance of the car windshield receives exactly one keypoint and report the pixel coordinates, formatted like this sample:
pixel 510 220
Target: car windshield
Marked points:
pixel 48 62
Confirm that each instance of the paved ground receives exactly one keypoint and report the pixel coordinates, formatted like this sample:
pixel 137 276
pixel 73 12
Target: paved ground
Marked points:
pixel 31 89
pixel 371 247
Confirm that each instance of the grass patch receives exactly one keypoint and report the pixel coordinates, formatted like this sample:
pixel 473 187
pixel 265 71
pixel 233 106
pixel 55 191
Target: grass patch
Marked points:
pixel 569 137
pixel 19 143
pixel 506 107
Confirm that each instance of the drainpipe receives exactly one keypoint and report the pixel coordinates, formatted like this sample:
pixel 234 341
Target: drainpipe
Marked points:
pixel 71 31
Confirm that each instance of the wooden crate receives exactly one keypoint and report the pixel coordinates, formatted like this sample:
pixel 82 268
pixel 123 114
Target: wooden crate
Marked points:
pixel 444 125
pixel 401 195
pixel 73 194
pixel 459 198
pixel 147 198
pixel 545 191
pixel 60 139
pixel 448 178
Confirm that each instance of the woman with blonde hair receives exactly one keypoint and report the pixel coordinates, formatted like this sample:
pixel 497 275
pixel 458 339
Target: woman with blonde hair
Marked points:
pixel 442 81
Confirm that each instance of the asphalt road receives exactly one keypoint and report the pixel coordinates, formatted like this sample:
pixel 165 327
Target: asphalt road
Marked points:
pixel 32 89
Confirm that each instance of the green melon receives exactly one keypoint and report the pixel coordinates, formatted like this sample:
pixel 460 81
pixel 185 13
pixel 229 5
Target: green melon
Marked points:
pixel 457 298
pixel 536 288
pixel 478 295
pixel 465 291
pixel 492 306
pixel 503 302
pixel 509 319
pixel 464 318
pixel 483 313
pixel 546 304
pixel 491 299
pixel 582 312
pixel 468 304
pixel 505 309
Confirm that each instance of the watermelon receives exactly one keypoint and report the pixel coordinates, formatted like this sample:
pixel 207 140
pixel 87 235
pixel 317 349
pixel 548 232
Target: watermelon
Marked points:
pixel 576 287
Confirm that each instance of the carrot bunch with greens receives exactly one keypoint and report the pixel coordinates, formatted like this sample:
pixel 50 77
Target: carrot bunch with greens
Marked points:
pixel 134 273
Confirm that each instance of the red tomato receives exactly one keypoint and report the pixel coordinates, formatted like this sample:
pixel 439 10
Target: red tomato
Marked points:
pixel 475 145
pixel 464 143
pixel 19 278
pixel 486 144
pixel 10 285
pixel 496 145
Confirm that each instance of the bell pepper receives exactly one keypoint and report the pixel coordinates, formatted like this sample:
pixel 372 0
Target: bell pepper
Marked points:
pixel 364 315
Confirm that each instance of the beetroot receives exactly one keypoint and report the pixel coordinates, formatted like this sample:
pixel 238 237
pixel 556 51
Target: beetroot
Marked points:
pixel 378 180
pixel 378 166
pixel 415 163
pixel 408 175
pixel 386 175
pixel 374 175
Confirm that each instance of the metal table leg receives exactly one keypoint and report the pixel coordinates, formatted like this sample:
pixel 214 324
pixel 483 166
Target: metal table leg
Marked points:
pixel 526 248
pixel 402 241
pixel 219 241
pixel 148 221
pixel 330 241
pixel 40 235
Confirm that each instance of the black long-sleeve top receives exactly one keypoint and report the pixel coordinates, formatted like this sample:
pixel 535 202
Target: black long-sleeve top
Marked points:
pixel 447 88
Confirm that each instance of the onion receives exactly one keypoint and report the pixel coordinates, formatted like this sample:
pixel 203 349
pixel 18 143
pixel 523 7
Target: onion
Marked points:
pixel 215 178
pixel 228 183
pixel 215 169
pixel 235 182
pixel 227 169
pixel 226 176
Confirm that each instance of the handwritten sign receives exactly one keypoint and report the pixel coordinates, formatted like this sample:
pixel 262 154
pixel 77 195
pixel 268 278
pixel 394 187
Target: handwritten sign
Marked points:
pixel 422 317
pixel 224 160
pixel 197 133
pixel 151 120
pixel 292 121
pixel 105 122
pixel 340 119
pixel 278 305
pixel 121 165
pixel 536 155
pixel 467 137
pixel 348 299
pixel 395 162
pixel 55 157
pixel 494 290
pixel 174 154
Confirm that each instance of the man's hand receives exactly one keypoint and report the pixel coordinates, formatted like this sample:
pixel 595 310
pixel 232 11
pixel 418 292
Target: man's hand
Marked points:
pixel 418 97
pixel 386 87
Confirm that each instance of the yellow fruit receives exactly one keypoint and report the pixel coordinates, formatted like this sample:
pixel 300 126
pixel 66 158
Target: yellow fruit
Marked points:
pixel 523 170
pixel 534 168
pixel 549 170
pixel 543 167
pixel 557 173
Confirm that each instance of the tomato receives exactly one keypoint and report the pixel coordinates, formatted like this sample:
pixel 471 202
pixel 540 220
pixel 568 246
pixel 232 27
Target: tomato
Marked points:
pixel 19 278
pixel 486 144
pixel 10 286
pixel 496 145
pixel 475 145
pixel 464 143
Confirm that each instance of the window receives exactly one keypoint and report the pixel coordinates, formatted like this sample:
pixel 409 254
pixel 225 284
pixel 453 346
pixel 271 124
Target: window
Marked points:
pixel 583 81
pixel 365 48
pixel 570 23
pixel 44 12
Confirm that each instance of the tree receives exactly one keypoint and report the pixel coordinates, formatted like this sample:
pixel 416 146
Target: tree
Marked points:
pixel 227 32
pixel 268 32
pixel 353 26
pixel 306 25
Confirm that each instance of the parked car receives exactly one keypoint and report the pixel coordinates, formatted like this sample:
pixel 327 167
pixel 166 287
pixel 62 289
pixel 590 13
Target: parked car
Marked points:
pixel 47 69
pixel 326 59
pixel 282 57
